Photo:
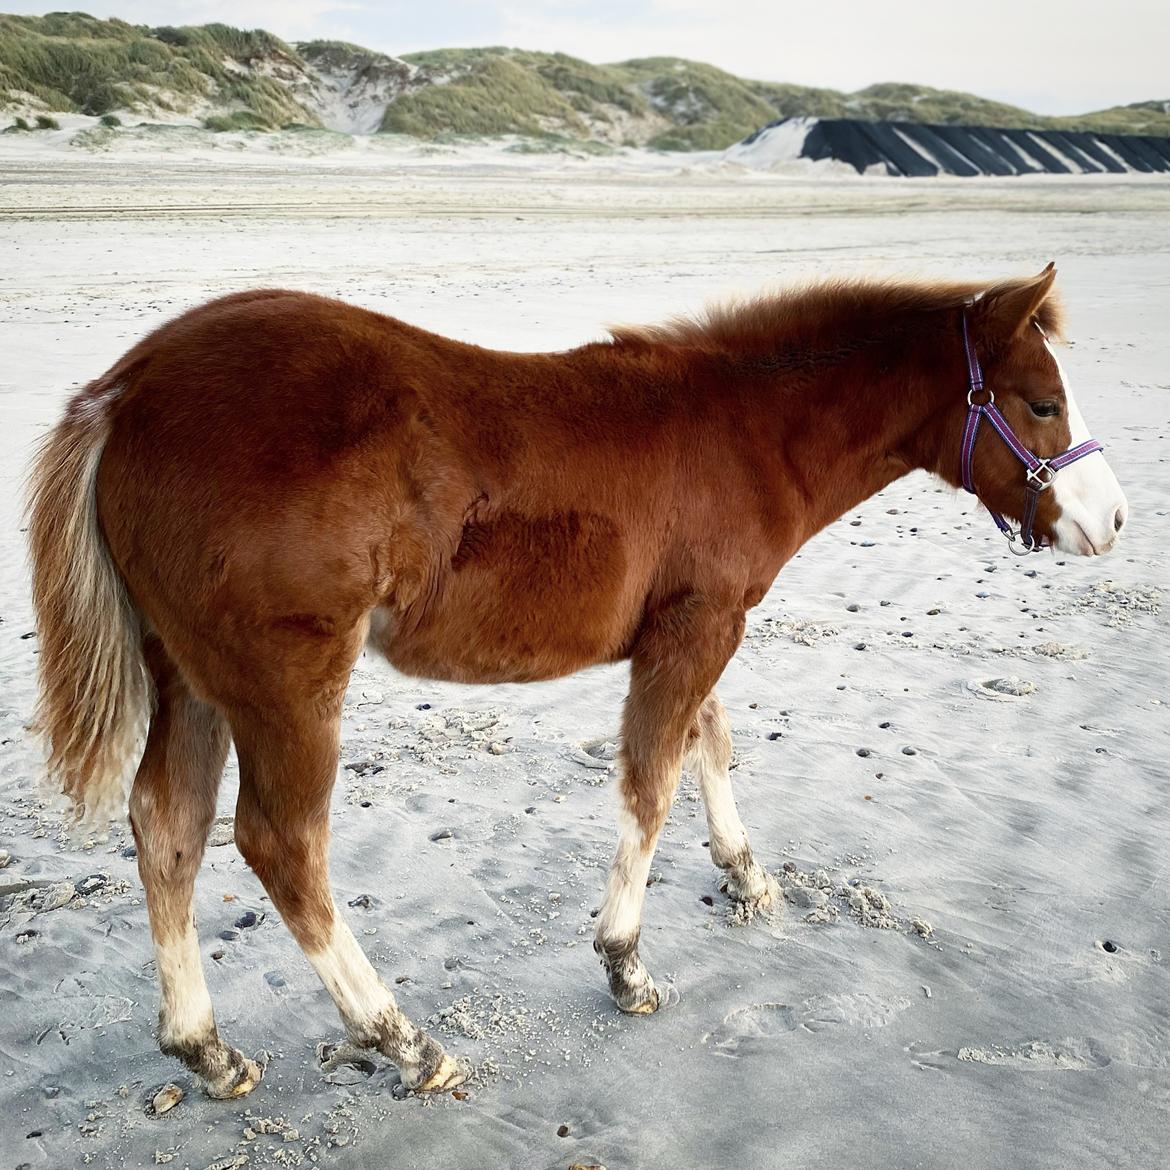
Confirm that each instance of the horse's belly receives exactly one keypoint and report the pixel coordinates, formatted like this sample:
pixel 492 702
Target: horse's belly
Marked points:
pixel 523 599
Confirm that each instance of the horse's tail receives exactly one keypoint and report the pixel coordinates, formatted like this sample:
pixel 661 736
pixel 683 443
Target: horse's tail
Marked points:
pixel 95 694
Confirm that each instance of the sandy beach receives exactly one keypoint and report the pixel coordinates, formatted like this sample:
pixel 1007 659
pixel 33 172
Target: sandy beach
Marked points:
pixel 954 760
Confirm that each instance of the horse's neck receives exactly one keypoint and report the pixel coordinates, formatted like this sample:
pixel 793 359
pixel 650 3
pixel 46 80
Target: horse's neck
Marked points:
pixel 843 433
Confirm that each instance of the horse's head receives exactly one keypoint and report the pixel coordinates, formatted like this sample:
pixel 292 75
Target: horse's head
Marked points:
pixel 1046 481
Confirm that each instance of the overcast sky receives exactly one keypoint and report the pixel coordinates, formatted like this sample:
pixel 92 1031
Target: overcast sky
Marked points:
pixel 1054 56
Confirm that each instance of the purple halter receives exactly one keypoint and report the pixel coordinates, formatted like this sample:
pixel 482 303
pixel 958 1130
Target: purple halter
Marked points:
pixel 1039 472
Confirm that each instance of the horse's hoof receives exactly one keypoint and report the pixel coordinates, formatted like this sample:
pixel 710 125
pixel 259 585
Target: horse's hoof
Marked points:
pixel 450 1074
pixel 643 1006
pixel 755 891
pixel 246 1078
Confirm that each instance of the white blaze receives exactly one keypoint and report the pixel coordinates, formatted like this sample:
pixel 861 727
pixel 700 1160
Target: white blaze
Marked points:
pixel 1087 492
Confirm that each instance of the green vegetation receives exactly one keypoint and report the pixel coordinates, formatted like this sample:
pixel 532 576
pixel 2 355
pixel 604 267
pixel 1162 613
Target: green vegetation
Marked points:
pixel 236 120
pixel 492 95
pixel 44 122
pixel 250 79
pixel 110 121
pixel 71 61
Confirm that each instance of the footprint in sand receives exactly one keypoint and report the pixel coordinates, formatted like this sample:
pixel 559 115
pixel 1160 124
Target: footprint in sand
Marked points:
pixel 345 1063
pixel 757 1023
pixel 1072 1054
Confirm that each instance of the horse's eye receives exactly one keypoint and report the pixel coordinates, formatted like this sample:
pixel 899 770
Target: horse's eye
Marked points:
pixel 1049 408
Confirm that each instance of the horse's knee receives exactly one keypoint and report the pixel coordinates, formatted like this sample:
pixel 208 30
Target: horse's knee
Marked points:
pixel 290 861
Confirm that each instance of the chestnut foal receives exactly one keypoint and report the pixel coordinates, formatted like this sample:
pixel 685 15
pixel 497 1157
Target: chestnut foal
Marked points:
pixel 273 481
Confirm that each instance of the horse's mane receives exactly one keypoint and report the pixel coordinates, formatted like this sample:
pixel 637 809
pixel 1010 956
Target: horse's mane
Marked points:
pixel 824 311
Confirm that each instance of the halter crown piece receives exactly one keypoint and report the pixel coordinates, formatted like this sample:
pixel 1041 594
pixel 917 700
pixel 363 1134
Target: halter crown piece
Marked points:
pixel 1039 473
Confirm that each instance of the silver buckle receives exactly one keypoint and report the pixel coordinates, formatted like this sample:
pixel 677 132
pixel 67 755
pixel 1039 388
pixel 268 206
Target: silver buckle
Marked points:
pixel 1041 477
pixel 987 390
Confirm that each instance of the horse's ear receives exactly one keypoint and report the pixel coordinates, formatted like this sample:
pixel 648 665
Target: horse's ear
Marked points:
pixel 1008 309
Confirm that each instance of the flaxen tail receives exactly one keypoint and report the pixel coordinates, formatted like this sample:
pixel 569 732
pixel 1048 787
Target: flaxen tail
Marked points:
pixel 95 695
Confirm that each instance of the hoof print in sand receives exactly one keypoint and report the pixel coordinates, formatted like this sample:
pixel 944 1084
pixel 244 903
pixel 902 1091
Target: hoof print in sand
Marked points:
pixel 345 1063
pixel 1069 1055
pixel 763 1023
pixel 1001 690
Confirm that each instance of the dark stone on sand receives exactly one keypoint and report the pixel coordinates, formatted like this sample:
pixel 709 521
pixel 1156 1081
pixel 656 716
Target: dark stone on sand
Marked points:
pixel 442 835
pixel 91 884
pixel 228 935
pixel 363 902
pixel 249 919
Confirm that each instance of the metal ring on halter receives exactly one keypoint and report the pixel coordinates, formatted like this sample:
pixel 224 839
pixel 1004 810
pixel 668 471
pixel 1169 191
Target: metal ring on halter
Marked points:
pixel 1034 475
pixel 1025 549
pixel 990 396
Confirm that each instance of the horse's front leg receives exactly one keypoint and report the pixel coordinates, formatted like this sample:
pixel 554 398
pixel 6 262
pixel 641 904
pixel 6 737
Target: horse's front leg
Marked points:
pixel 708 758
pixel 678 656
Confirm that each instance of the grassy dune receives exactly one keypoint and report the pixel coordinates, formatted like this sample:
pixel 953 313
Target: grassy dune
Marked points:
pixel 239 79
pixel 73 62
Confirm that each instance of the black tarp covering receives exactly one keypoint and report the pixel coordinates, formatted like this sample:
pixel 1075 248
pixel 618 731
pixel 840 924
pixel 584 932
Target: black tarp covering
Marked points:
pixel 915 148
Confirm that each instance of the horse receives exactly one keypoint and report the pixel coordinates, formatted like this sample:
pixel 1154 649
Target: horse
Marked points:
pixel 274 481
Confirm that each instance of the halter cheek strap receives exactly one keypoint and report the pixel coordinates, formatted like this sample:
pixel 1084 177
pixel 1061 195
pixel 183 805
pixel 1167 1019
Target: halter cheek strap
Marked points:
pixel 1039 473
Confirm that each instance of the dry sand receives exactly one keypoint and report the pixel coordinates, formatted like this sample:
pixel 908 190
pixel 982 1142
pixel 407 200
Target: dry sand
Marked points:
pixel 954 761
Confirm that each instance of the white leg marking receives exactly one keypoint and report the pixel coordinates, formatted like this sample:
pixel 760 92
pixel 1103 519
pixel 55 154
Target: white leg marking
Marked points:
pixel 709 762
pixel 1087 492
pixel 351 980
pixel 621 911
pixel 186 1015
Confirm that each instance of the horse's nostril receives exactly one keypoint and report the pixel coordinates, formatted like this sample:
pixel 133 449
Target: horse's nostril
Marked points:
pixel 1118 519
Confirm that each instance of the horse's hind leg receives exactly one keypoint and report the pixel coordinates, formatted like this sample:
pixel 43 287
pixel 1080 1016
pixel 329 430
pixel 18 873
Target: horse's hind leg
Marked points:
pixel 676 660
pixel 708 758
pixel 288 763
pixel 172 805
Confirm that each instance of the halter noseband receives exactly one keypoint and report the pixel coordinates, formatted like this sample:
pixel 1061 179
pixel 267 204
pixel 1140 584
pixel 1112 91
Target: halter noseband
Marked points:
pixel 1039 472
